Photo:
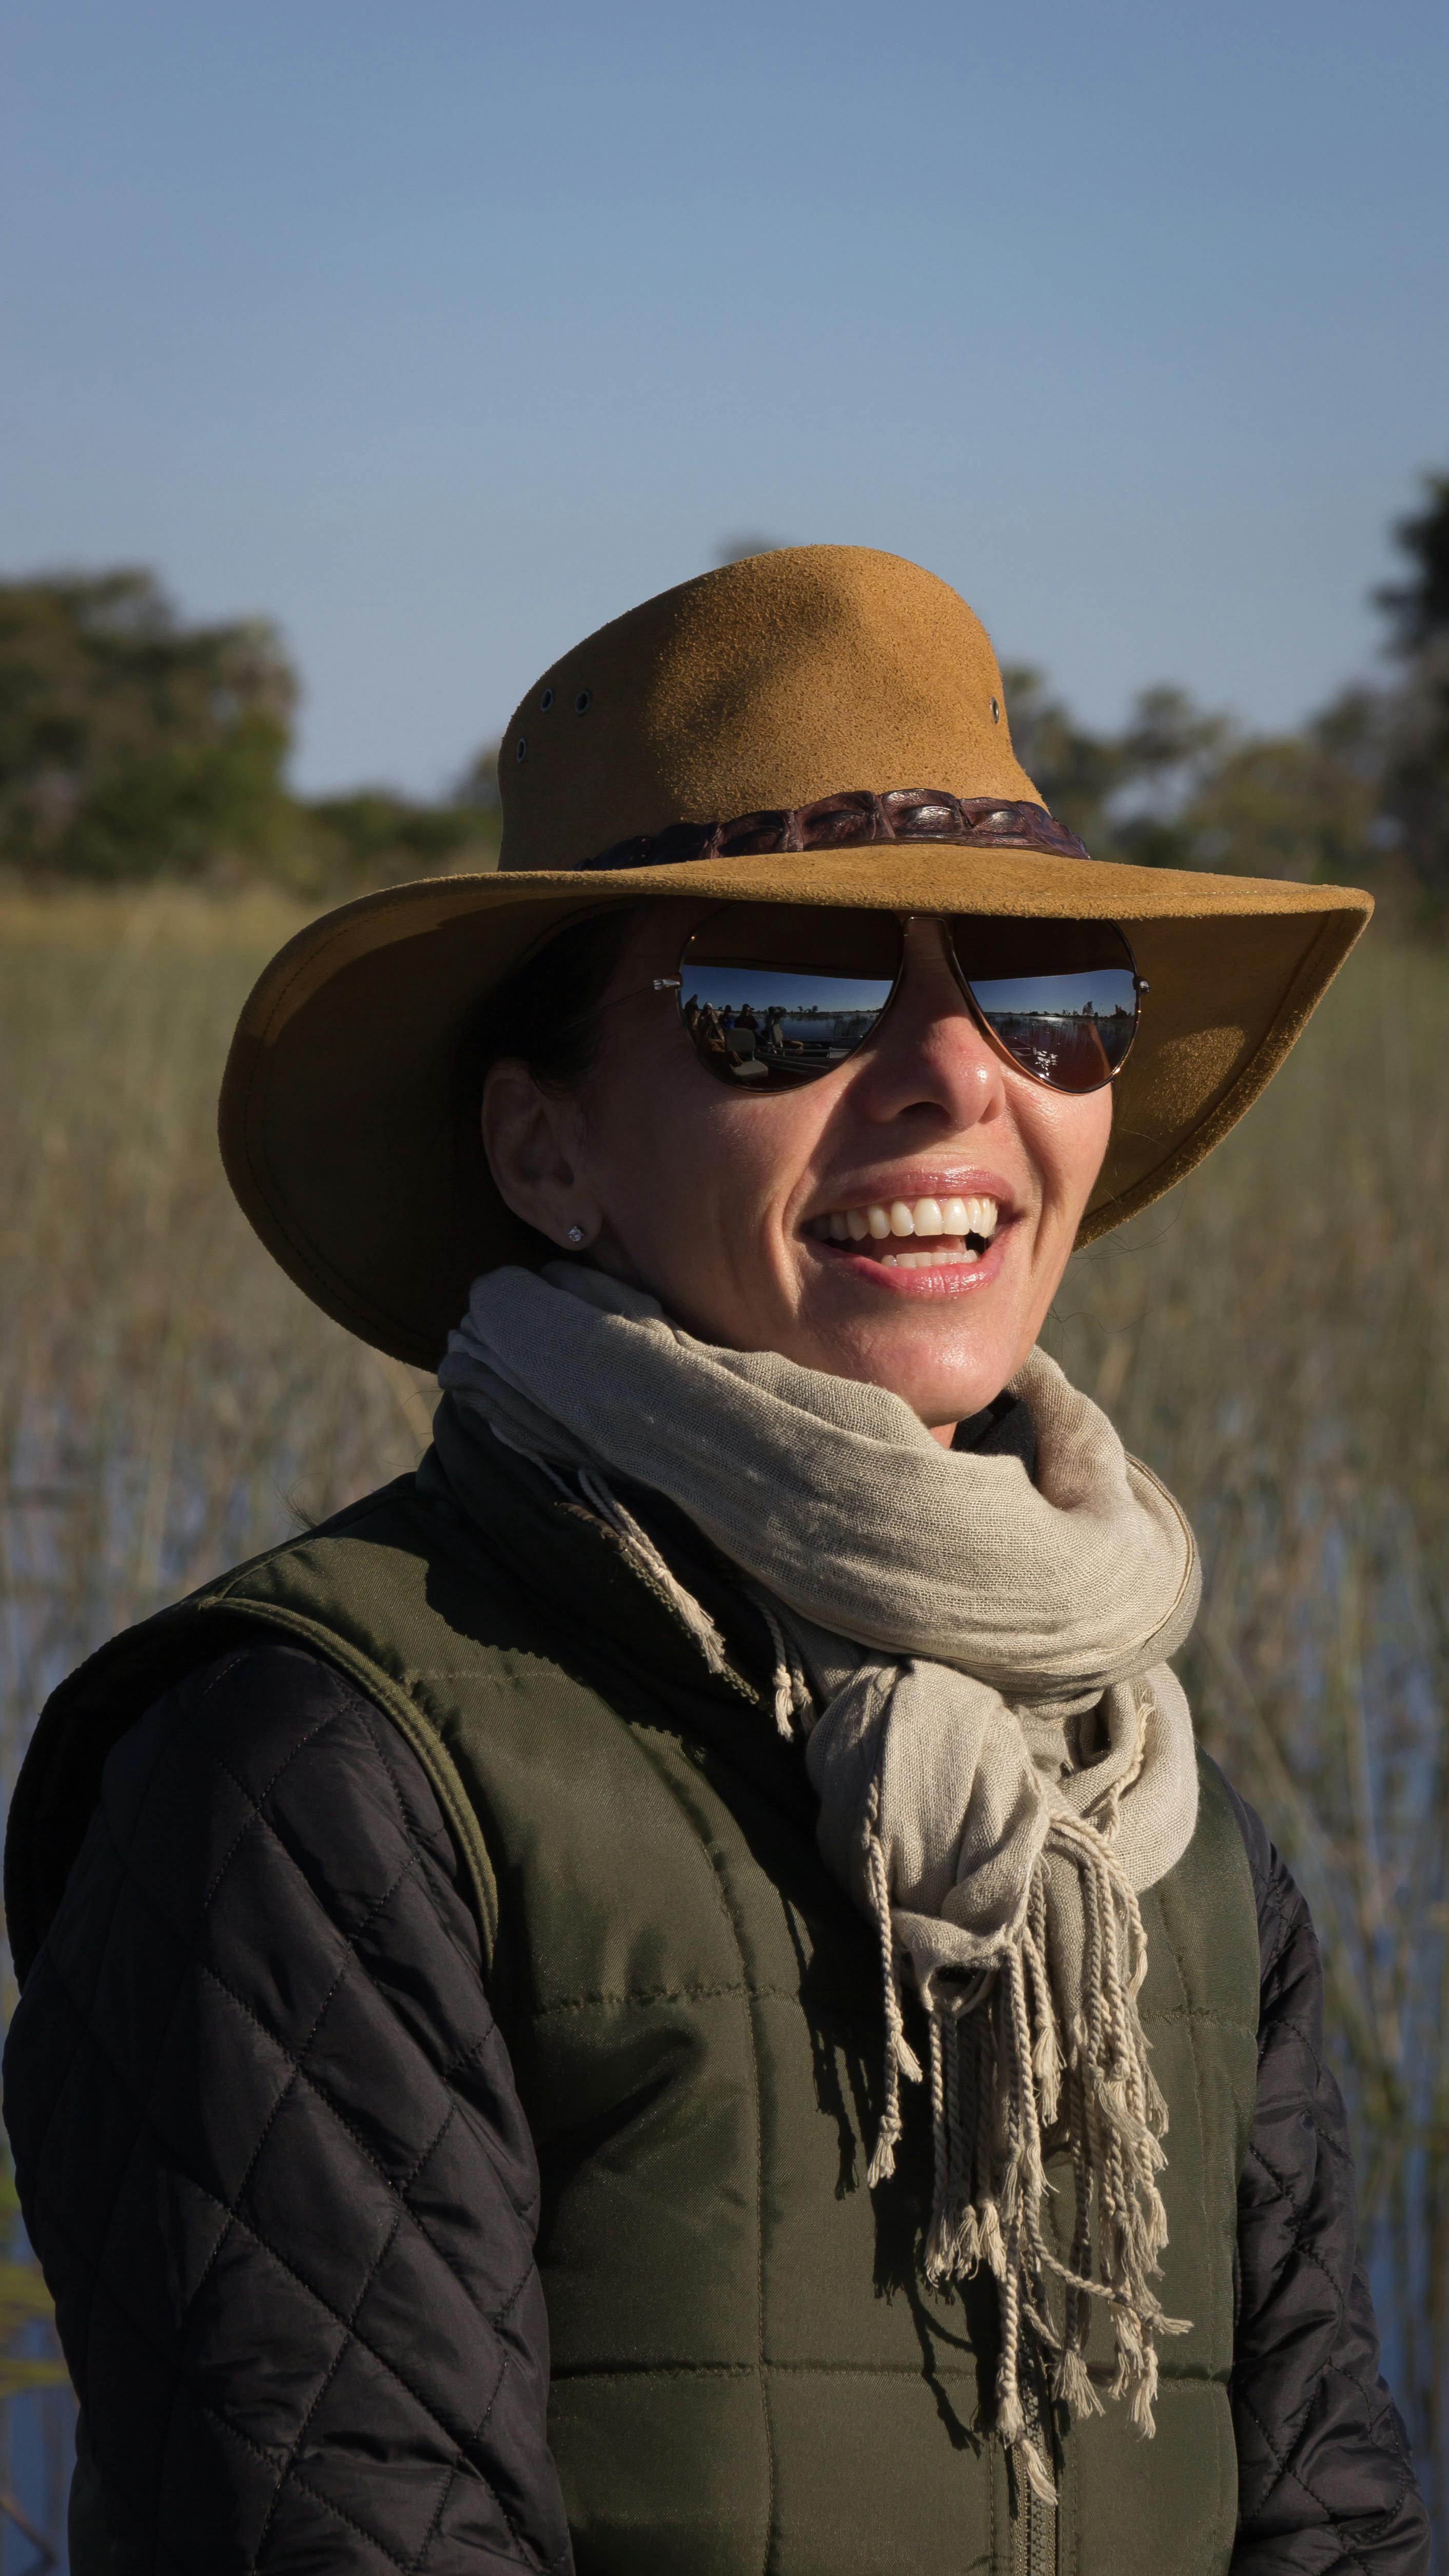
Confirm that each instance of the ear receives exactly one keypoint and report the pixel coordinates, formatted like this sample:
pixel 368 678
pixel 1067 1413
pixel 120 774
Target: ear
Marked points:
pixel 534 1143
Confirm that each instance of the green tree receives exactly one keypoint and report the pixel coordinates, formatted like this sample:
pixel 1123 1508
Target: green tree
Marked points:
pixel 477 786
pixel 375 837
pixel 738 549
pixel 1418 609
pixel 1183 787
pixel 1416 785
pixel 1167 757
pixel 132 744
pixel 1300 805
pixel 1077 771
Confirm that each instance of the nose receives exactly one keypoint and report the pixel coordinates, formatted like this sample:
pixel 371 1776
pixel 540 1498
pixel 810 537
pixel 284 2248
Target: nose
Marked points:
pixel 929 1057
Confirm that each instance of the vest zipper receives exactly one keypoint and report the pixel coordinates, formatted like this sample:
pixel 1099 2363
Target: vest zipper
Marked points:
pixel 1039 2537
pixel 1035 2553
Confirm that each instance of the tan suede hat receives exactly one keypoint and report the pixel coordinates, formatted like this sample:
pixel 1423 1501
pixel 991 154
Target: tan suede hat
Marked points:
pixel 821 725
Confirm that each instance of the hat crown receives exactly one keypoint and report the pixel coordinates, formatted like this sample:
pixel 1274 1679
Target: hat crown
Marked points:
pixel 770 683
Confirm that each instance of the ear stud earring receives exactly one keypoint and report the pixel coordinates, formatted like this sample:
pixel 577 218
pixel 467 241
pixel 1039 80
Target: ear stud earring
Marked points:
pixel 576 1234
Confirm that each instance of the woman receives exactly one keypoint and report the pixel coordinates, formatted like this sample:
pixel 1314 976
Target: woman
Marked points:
pixel 713 1875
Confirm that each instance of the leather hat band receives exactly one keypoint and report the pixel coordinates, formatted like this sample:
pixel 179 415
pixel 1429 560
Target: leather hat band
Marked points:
pixel 850 821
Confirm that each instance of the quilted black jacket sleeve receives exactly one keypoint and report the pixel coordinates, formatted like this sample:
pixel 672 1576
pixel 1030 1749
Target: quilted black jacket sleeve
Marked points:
pixel 271 2156
pixel 1326 2487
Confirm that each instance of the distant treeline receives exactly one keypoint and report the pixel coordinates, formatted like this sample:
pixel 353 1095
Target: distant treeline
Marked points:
pixel 134 745
pixel 1360 792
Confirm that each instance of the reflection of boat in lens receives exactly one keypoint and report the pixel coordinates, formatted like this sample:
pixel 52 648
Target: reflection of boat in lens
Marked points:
pixel 820 1038
pixel 741 1046
pixel 799 1042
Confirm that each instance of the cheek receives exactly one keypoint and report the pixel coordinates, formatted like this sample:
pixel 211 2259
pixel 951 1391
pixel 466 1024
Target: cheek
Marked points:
pixel 664 1143
pixel 639 1142
pixel 683 1166
pixel 1068 1140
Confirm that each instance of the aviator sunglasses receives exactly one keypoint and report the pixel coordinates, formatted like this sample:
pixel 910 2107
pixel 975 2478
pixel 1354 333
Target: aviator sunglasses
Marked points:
pixel 773 995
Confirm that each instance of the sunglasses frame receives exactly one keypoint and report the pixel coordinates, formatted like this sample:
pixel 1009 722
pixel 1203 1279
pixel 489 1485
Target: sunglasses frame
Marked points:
pixel 675 984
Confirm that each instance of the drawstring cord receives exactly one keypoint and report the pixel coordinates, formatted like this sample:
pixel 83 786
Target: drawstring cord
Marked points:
pixel 636 1542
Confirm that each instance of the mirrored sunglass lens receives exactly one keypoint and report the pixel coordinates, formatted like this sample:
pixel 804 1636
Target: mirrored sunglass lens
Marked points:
pixel 756 1024
pixel 1071 1030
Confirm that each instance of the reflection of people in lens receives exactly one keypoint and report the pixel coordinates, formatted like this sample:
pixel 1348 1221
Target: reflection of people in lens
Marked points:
pixel 774 1029
pixel 1058 1047
pixel 1082 1059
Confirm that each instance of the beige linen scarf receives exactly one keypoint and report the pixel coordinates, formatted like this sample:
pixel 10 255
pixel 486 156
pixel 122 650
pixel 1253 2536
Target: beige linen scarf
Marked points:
pixel 1003 1759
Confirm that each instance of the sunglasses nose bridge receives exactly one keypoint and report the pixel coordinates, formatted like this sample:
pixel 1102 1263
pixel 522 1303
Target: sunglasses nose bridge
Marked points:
pixel 946 1021
pixel 913 923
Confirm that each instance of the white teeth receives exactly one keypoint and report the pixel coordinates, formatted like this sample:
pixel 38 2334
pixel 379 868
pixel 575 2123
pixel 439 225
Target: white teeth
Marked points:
pixel 956 1218
pixel 941 1259
pixel 952 1216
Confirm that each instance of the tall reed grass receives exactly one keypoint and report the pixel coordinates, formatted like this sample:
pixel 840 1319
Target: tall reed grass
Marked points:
pixel 168 1401
pixel 1272 1338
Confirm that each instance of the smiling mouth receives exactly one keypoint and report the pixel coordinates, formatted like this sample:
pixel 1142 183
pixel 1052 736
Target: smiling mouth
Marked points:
pixel 949 1233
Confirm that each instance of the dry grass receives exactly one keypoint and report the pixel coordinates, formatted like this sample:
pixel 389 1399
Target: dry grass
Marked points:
pixel 1272 1339
pixel 168 1401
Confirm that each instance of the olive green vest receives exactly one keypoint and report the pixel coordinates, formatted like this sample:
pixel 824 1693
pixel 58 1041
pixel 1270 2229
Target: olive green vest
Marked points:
pixel 750 2375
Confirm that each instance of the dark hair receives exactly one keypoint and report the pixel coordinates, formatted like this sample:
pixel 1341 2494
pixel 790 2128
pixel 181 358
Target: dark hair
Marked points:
pixel 547 1011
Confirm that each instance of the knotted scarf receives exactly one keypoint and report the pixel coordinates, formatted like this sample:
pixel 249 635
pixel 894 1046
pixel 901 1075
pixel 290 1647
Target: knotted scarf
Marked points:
pixel 1004 1761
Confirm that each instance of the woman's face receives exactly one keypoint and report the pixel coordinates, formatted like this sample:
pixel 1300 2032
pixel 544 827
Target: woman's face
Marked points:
pixel 719 1202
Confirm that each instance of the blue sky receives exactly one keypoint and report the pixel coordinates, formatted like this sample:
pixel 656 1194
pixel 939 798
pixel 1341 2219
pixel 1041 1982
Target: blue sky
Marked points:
pixel 442 332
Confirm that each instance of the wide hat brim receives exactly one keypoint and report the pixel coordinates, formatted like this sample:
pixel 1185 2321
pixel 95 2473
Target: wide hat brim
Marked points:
pixel 340 1126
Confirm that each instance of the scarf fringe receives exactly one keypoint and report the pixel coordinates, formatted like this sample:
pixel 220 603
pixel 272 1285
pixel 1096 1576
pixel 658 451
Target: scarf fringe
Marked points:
pixel 1000 2072
pixel 790 1685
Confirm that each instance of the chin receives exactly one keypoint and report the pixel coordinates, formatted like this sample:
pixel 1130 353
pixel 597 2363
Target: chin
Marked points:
pixel 939 1389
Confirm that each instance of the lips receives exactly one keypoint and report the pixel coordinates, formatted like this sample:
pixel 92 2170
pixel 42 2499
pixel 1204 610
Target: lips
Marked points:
pixel 938 1232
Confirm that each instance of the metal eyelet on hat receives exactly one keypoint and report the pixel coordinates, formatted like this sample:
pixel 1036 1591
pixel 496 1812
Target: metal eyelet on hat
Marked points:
pixel 522 751
pixel 546 701
pixel 995 712
pixel 583 702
